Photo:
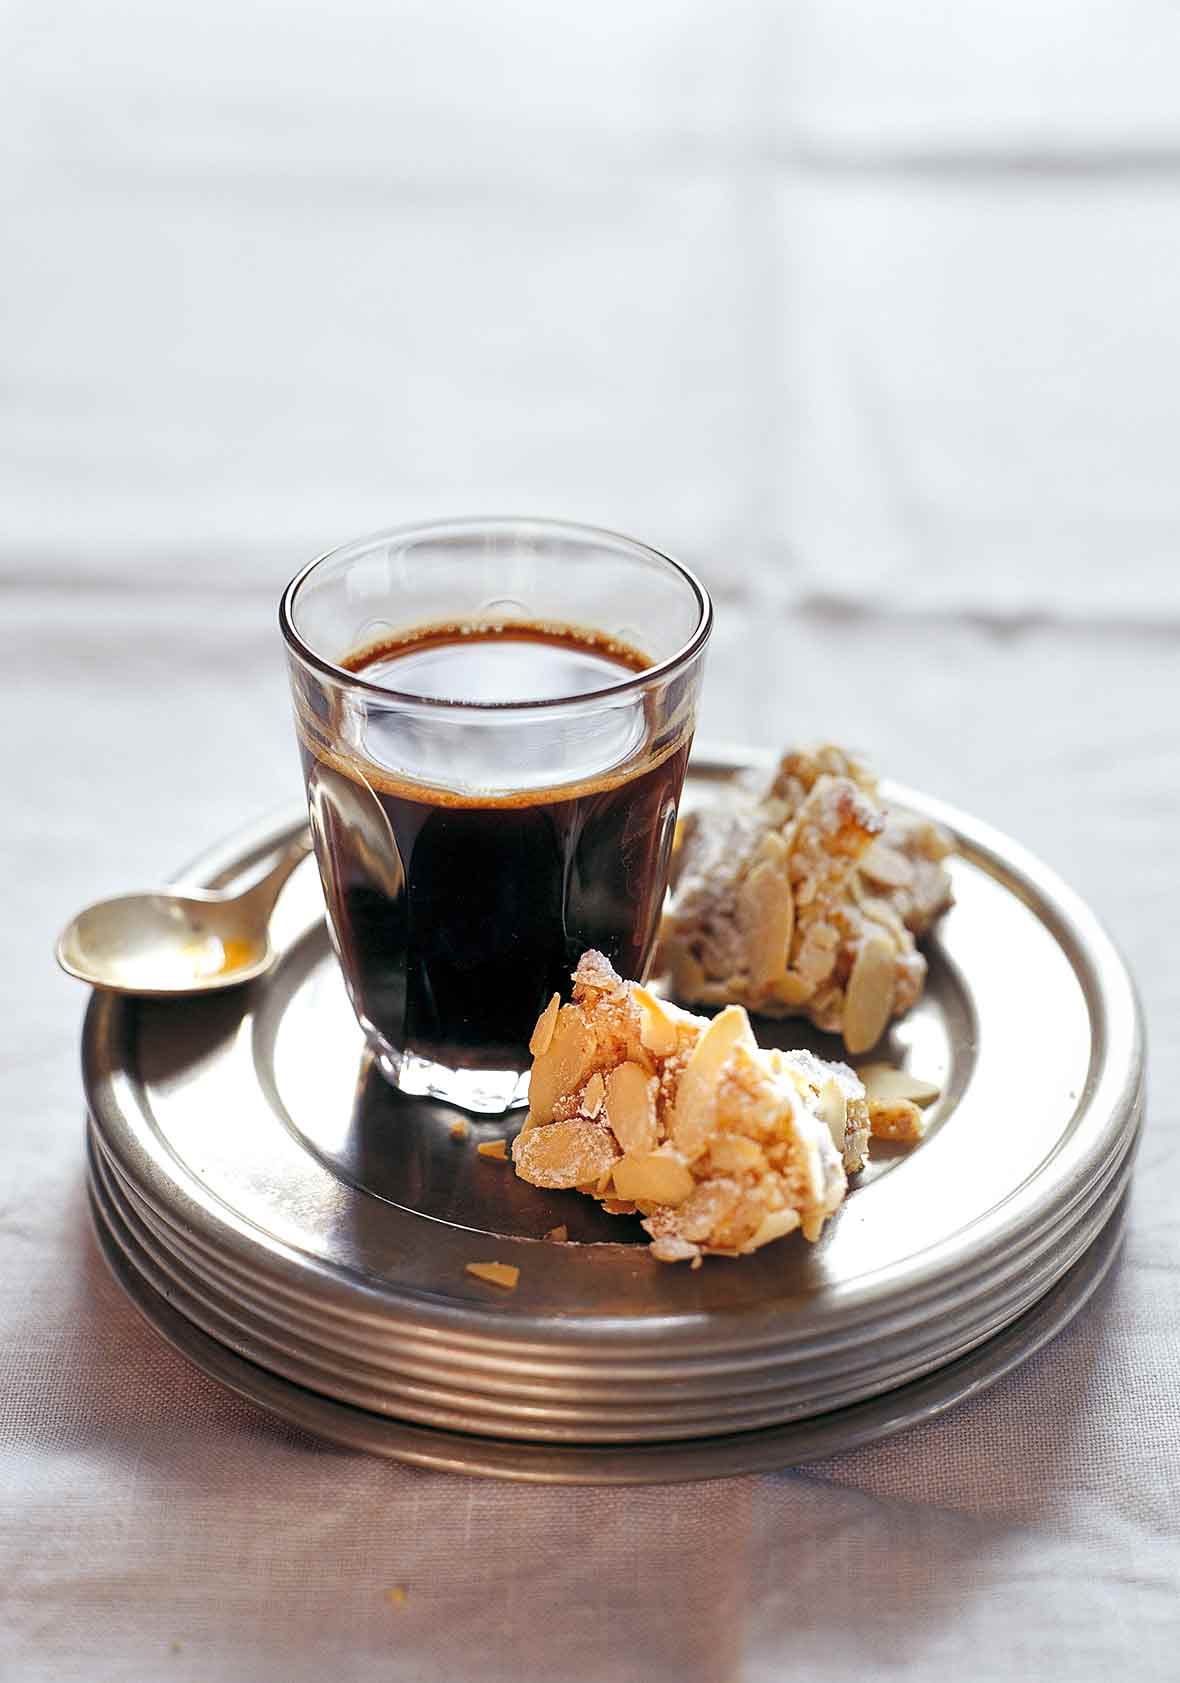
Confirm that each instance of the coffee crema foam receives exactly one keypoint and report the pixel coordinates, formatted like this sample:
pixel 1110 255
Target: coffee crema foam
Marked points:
pixel 445 757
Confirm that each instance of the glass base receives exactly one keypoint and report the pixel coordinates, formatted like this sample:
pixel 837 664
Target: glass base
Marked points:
pixel 482 1092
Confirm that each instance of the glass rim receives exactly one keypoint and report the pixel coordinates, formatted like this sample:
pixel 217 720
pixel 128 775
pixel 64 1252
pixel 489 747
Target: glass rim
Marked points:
pixel 466 524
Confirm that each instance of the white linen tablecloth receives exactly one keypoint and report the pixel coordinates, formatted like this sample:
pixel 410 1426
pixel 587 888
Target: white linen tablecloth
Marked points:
pixel 868 312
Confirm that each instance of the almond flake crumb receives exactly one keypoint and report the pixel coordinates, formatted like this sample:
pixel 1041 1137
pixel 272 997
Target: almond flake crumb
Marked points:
pixel 495 1273
pixel 396 1596
pixel 887 1085
pixel 558 1235
pixel 806 899
pixel 896 1119
pixel 460 1129
pixel 493 1148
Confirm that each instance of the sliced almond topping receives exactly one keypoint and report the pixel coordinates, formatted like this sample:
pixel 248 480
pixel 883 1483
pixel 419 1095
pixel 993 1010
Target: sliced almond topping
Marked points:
pixel 833 1107
pixel 698 1084
pixel 773 1225
pixel 657 1031
pixel 773 847
pixel 898 1120
pixel 766 916
pixel 493 1148
pixel 546 1022
pixel 708 1207
pixel 564 1154
pixel 734 1153
pixel 495 1273
pixel 564 1064
pixel 670 1248
pixel 688 978
pixel 460 1129
pixel 869 997
pixel 656 1178
pixel 631 1107
pixel 718 1146
pixel 887 1084
pixel 741 1222
pixel 559 1234
pixel 793 989
pixel 885 865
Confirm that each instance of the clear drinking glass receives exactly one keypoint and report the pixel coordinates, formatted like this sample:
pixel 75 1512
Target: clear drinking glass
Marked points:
pixel 494 794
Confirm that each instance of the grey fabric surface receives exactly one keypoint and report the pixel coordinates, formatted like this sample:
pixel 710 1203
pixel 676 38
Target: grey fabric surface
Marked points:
pixel 869 314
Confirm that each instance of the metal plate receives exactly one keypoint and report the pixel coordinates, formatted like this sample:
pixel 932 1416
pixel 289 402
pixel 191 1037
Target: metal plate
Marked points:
pixel 592 1407
pixel 720 1456
pixel 319 1222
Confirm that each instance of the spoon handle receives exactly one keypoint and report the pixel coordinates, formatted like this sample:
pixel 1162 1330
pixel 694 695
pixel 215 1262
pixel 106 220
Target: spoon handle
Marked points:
pixel 261 895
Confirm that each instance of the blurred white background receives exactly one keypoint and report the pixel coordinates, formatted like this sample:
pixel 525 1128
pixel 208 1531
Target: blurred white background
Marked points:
pixel 831 298
pixel 865 308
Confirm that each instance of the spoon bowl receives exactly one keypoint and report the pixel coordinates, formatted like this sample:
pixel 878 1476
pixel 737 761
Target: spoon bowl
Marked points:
pixel 163 943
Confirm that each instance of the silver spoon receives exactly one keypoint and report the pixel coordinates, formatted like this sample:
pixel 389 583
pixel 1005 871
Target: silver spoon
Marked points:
pixel 178 943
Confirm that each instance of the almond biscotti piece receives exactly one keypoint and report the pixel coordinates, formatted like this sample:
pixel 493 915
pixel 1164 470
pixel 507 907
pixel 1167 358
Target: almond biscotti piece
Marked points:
pixel 718 1145
pixel 806 897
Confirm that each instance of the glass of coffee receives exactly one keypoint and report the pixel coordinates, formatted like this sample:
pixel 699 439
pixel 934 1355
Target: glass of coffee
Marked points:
pixel 494 718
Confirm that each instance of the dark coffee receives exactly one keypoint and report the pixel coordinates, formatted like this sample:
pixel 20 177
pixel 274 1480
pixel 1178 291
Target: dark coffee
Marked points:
pixel 458 914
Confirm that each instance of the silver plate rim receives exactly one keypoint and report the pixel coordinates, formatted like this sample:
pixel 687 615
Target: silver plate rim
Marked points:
pixel 788 1371
pixel 538 1419
pixel 767 1450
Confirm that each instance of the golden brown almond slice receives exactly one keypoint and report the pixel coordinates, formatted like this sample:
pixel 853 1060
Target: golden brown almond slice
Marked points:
pixel 657 1030
pixel 735 1154
pixel 898 1120
pixel 774 1224
pixel 546 1022
pixel 886 1084
pixel 766 917
pixel 631 1107
pixel 593 1095
pixel 564 1154
pixel 737 1228
pixel 495 1273
pixel 564 1065
pixel 773 845
pixel 883 864
pixel 793 989
pixel 657 1177
pixel 558 1235
pixel 698 1084
pixel 817 953
pixel 669 1247
pixel 869 996
pixel 706 1209
pixel 493 1148
pixel 832 1105
pixel 460 1128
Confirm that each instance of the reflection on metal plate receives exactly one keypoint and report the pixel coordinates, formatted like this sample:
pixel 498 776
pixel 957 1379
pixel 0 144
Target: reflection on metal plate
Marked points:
pixel 317 1218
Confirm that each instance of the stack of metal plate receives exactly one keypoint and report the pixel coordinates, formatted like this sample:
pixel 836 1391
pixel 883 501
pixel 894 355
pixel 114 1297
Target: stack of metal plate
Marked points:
pixel 303 1232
